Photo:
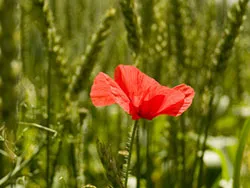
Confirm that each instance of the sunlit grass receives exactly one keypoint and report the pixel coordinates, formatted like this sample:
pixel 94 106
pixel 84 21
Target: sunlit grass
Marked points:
pixel 50 52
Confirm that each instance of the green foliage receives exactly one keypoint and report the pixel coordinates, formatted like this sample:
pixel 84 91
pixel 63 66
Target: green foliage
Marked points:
pixel 88 60
pixel 131 24
pixel 50 51
pixel 239 154
pixel 114 174
pixel 224 47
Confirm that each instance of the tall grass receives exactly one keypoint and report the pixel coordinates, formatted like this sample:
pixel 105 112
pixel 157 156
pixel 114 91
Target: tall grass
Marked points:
pixel 50 52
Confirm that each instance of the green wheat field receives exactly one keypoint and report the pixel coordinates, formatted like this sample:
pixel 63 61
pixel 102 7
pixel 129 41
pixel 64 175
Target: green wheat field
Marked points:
pixel 53 136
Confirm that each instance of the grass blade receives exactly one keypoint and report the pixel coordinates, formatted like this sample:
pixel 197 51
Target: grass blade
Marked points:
pixel 239 154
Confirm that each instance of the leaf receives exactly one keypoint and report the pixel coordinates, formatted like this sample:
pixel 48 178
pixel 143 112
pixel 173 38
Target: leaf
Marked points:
pixel 239 154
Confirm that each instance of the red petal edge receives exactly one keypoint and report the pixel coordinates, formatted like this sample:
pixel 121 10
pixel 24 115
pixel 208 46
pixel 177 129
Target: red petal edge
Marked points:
pixel 166 101
pixel 170 101
pixel 189 95
pixel 105 91
pixel 100 91
pixel 134 83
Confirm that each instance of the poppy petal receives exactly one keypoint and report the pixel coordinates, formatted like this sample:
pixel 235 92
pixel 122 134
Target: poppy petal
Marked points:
pixel 189 95
pixel 182 104
pixel 139 95
pixel 134 83
pixel 100 91
pixel 166 101
pixel 105 91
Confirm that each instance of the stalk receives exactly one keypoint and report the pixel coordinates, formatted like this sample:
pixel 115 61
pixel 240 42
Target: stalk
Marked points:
pixel 138 164
pixel 239 154
pixel 130 147
pixel 183 151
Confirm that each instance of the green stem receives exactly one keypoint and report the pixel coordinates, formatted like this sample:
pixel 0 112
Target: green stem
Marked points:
pixel 239 154
pixel 73 163
pixel 130 147
pixel 138 165
pixel 183 151
pixel 48 117
pixel 175 153
pixel 148 159
pixel 55 162
pixel 204 143
pixel 18 168
pixel 39 127
pixel 197 148
pixel 180 41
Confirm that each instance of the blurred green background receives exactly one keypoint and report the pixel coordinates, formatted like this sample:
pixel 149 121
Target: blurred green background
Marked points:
pixel 50 52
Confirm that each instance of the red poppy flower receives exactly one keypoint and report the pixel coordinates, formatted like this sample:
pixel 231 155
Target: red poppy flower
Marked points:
pixel 139 95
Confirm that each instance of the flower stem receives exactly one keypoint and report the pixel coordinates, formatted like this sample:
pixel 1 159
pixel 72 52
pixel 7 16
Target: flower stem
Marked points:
pixel 48 121
pixel 149 166
pixel 130 147
pixel 183 151
pixel 138 163
pixel 204 142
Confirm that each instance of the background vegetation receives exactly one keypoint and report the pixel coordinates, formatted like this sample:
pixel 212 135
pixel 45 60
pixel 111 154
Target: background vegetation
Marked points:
pixel 50 51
